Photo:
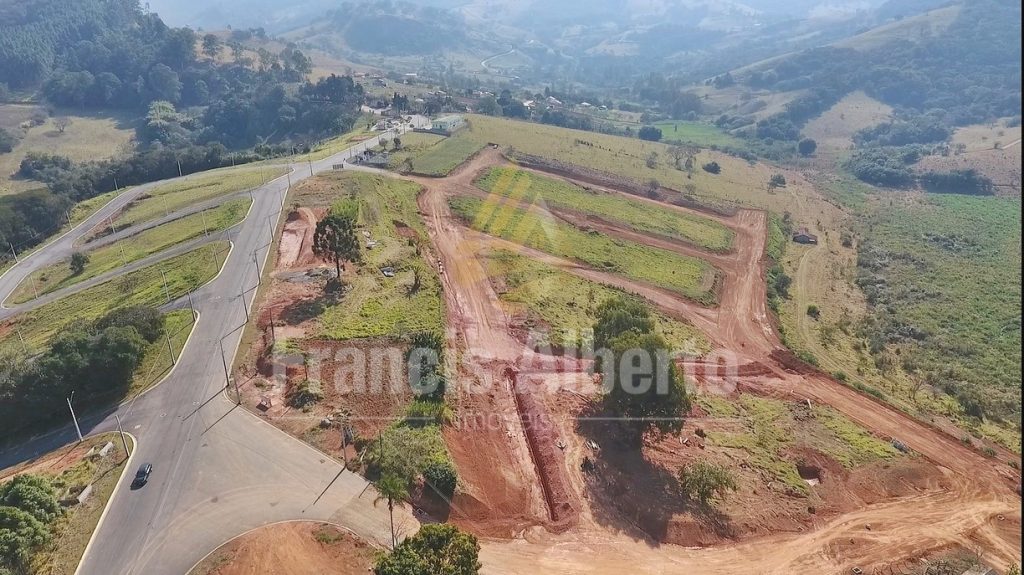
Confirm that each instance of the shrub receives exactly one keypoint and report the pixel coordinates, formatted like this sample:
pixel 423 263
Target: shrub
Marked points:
pixel 441 478
pixel 712 167
pixel 703 480
pixel 807 146
pixel 813 311
pixel 306 393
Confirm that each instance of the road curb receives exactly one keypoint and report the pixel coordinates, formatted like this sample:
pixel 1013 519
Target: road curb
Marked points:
pixel 106 508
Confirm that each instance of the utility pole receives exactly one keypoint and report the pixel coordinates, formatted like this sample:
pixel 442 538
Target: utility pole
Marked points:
pixel 241 298
pixel 34 288
pixel 310 167
pixel 206 230
pixel 124 440
pixel 73 418
pixel 110 221
pixel 170 349
pixel 15 253
pixel 67 214
pixel 167 294
pixel 256 261
pixel 227 378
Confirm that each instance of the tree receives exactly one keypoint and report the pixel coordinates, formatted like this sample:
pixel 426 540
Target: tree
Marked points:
pixel 164 83
pixel 335 239
pixel 393 489
pixel 652 188
pixel 211 45
pixel 33 494
pixel 813 311
pixel 7 141
pixel 441 477
pixel 650 133
pixel 712 167
pixel 776 181
pixel 488 105
pixel 436 549
pixel 807 146
pixel 396 142
pixel 703 480
pixel 62 123
pixel 78 262
pixel 20 535
pixel 643 386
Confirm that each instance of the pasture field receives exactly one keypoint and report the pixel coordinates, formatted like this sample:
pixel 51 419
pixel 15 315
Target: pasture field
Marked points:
pixel 697 133
pixel 690 277
pixel 141 287
pixel 133 248
pixel 636 214
pixel 739 183
pixel 559 308
pixel 89 136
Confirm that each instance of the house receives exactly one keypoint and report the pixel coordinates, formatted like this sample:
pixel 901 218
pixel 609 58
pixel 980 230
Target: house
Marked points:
pixel 802 236
pixel 447 123
pixel 554 101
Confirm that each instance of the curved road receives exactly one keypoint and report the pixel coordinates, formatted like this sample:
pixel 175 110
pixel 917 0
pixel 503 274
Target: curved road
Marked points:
pixel 217 469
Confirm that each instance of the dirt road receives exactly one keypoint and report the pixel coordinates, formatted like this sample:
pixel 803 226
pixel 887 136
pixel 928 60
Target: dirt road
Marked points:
pixel 981 489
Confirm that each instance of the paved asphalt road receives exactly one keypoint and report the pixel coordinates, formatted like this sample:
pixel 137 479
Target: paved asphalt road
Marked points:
pixel 218 470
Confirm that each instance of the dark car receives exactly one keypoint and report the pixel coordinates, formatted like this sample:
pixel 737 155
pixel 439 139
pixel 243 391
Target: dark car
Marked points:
pixel 142 475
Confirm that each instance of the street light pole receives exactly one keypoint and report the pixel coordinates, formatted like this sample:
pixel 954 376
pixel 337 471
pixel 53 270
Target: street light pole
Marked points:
pixel 73 418
pixel 167 294
pixel 170 349
pixel 124 440
pixel 256 261
pixel 192 306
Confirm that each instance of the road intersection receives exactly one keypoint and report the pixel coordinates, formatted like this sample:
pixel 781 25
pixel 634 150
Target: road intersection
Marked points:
pixel 218 470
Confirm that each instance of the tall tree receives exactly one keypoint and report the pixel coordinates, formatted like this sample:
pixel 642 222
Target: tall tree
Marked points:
pixel 212 45
pixel 335 239
pixel 394 490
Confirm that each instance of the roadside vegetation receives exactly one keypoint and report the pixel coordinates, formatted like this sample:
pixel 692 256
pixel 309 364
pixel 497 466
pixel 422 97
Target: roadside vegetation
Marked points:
pixel 560 309
pixel 143 287
pixel 169 198
pixel 633 213
pixel 39 534
pixel 689 277
pixel 130 249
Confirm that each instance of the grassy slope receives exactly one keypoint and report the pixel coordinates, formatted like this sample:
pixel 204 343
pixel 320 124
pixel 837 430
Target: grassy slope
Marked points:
pixel 738 182
pixel 142 287
pixel 687 276
pixel 560 307
pixel 445 156
pixel 136 247
pixel 375 305
pixel 640 216
pixel 697 133
pixel 172 197
pixel 72 531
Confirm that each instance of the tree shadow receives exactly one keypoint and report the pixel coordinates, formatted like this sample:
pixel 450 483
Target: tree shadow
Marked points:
pixel 304 310
pixel 636 496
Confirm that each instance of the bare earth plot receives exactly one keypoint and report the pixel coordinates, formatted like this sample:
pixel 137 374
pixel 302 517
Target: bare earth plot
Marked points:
pixel 813 457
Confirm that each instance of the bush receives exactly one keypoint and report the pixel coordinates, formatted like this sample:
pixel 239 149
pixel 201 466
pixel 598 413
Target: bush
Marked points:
pixel 7 141
pixel 441 478
pixel 813 311
pixel 807 146
pixel 650 133
pixel 703 480
pixel 712 167
pixel 306 393
pixel 436 549
pixel 78 262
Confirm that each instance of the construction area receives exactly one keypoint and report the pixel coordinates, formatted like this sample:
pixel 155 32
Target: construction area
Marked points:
pixel 828 479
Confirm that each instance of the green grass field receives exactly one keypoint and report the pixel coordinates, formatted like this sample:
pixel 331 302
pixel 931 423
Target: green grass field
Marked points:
pixel 151 241
pixel 157 361
pixel 445 156
pixel 142 287
pixel 943 275
pixel 698 134
pixel 689 277
pixel 560 308
pixel 172 197
pixel 375 305
pixel 414 144
pixel 636 214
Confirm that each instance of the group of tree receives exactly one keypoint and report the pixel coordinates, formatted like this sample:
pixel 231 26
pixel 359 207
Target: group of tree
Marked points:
pixel 436 549
pixel 650 133
pixel 28 508
pixel 95 359
pixel 643 385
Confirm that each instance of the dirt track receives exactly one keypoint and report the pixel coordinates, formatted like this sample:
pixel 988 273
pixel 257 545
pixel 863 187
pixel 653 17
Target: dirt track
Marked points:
pixel 981 489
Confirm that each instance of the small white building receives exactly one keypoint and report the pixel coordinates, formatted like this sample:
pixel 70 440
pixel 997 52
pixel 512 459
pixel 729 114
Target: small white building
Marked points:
pixel 448 123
